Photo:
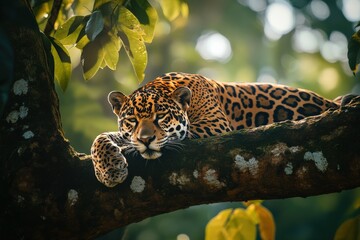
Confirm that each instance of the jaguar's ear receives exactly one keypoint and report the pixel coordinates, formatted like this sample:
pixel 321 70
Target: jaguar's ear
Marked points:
pixel 116 100
pixel 182 95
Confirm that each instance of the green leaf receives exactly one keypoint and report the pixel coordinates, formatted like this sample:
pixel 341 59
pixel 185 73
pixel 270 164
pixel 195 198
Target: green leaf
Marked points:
pixel 92 58
pixel 95 25
pixel 73 32
pixel 111 46
pixel 133 41
pixel 146 15
pixel 62 63
pixel 70 30
pixel 349 229
pixel 102 52
pixel 82 39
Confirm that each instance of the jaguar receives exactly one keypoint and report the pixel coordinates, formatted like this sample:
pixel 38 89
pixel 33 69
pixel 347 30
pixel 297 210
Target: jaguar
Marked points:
pixel 175 106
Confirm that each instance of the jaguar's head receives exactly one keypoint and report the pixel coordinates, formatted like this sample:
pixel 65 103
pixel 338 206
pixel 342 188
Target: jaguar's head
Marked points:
pixel 151 120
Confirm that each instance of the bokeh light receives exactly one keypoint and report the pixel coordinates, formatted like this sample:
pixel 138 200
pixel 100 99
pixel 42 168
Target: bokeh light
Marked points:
pixel 351 9
pixel 306 40
pixel 280 19
pixel 320 9
pixel 182 237
pixel 335 49
pixel 214 46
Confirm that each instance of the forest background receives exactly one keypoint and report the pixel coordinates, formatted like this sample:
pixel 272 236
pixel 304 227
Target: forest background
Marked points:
pixel 298 43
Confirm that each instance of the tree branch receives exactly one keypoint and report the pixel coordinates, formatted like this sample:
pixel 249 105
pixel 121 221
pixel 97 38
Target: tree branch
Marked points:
pixel 53 16
pixel 50 192
pixel 314 156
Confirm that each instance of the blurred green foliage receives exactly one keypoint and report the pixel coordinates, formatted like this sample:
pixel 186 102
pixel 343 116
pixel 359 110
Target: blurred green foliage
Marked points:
pixel 255 55
pixel 100 35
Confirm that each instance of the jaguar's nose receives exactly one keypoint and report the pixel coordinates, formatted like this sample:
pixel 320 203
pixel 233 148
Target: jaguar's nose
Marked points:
pixel 146 139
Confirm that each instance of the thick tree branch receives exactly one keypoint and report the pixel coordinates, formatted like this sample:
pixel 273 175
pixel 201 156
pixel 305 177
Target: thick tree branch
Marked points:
pixel 50 192
pixel 314 156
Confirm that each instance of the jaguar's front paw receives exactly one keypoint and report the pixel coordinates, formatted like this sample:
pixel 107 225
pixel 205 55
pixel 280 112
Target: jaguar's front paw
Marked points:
pixel 111 177
pixel 109 163
pixel 111 170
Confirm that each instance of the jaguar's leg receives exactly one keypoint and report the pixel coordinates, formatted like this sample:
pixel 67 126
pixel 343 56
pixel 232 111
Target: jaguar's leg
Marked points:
pixel 109 163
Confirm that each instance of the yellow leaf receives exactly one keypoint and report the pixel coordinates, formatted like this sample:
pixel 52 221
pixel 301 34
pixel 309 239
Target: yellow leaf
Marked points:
pixel 252 213
pixel 248 203
pixel 231 225
pixel 215 228
pixel 245 225
pixel 266 222
pixel 349 230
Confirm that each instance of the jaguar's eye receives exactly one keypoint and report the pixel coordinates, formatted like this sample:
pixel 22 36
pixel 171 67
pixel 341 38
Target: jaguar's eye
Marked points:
pixel 133 120
pixel 160 115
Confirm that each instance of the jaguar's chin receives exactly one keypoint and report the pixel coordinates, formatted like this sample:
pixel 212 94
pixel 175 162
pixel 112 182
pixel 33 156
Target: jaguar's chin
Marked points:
pixel 150 154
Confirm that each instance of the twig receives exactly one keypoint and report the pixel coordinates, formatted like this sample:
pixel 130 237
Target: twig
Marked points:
pixel 53 16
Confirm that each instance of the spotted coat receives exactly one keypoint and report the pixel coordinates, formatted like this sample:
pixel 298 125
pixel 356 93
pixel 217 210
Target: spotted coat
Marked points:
pixel 176 106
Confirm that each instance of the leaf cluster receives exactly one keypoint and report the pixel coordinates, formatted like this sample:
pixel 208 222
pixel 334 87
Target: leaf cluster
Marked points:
pixel 242 223
pixel 100 35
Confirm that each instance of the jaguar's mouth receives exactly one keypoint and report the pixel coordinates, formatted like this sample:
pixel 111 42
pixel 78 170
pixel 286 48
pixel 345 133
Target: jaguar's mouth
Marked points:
pixel 150 154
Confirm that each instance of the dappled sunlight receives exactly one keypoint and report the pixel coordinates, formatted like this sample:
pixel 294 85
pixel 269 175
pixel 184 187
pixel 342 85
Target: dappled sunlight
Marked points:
pixel 214 46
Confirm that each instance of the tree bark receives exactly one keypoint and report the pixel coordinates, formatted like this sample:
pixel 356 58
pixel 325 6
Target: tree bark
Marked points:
pixel 49 191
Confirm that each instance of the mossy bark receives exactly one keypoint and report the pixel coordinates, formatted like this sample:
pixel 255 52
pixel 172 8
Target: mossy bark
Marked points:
pixel 49 191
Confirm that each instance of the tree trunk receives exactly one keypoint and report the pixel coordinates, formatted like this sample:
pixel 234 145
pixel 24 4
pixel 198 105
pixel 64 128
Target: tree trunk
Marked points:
pixel 48 193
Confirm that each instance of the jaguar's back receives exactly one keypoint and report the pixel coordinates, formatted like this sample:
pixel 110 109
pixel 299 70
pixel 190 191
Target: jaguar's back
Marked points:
pixel 217 107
